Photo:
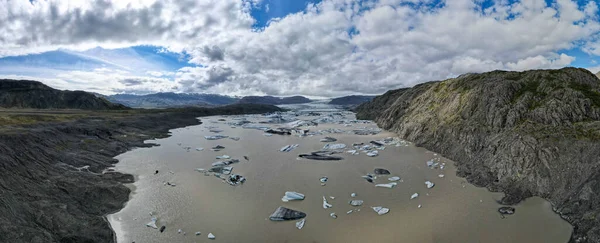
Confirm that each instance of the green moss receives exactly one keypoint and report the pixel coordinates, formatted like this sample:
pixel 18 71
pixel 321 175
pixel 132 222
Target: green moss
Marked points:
pixel 587 91
pixel 529 86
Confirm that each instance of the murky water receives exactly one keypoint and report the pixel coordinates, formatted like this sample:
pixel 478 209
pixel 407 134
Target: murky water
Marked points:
pixel 452 211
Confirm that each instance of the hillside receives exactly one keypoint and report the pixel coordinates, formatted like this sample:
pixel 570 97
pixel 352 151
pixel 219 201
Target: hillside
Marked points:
pixel 54 182
pixel 271 100
pixel 533 133
pixel 33 94
pixel 161 100
pixel 351 100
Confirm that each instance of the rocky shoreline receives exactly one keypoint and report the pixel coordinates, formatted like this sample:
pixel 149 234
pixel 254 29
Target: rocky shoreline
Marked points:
pixel 532 133
pixel 54 182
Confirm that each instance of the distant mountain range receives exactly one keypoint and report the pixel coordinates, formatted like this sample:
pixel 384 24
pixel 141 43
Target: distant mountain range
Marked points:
pixel 171 100
pixel 271 100
pixel 351 100
pixel 33 94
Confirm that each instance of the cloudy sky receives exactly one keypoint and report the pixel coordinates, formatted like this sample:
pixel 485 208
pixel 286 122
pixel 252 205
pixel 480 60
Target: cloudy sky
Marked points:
pixel 287 47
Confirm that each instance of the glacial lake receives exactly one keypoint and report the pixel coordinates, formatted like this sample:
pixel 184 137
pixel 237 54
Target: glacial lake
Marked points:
pixel 451 211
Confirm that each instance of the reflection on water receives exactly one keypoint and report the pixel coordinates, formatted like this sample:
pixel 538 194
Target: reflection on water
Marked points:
pixel 452 211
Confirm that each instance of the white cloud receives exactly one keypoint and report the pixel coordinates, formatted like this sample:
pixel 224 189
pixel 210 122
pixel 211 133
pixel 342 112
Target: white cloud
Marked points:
pixel 336 47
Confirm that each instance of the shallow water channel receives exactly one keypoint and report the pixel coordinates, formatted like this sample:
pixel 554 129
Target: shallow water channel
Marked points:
pixel 451 211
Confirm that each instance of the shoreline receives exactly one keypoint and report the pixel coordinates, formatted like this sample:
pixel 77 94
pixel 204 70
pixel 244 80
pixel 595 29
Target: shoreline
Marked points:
pixel 70 158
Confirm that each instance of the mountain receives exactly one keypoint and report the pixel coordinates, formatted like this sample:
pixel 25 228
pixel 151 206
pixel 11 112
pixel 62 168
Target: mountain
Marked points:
pixel 270 100
pixel 351 100
pixel 33 94
pixel 532 133
pixel 170 100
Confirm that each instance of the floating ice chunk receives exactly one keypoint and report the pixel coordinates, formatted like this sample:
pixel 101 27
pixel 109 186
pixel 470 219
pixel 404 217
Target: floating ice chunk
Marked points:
pixel 152 223
pixel 325 204
pixel 289 148
pixel 333 215
pixel 211 236
pixel 200 170
pixel 268 134
pixel 381 171
pixel 328 139
pixel 419 206
pixel 356 203
pixel 235 138
pixel 441 175
pixel 387 185
pixel 394 178
pixel 300 224
pixel 215 137
pixel 429 184
pixel 179 231
pixel 283 213
pixel 224 157
pixel 199 149
pixel 430 163
pixel 353 152
pixel 334 146
pixel 353 195
pixel 323 179
pixel 413 196
pixel 380 210
pixel 198 233
pixel 349 212
pixel 291 196
pixel 373 153
pixel 332 198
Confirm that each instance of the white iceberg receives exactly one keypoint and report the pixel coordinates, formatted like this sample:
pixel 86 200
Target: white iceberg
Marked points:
pixel 325 204
pixel 387 185
pixel 413 196
pixel 211 236
pixel 394 178
pixel 334 146
pixel 300 224
pixel 429 184
pixel 380 210
pixel 291 196
pixel 373 153
pixel 152 223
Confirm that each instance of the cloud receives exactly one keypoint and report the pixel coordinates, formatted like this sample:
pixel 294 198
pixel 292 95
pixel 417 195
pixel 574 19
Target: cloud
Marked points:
pixel 333 48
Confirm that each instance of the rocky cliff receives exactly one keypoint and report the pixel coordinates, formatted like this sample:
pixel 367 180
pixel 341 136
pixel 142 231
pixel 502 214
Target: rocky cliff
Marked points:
pixel 33 94
pixel 532 133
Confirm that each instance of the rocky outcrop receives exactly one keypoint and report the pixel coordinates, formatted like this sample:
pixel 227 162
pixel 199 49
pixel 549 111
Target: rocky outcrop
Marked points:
pixel 54 186
pixel 532 133
pixel 351 100
pixel 33 94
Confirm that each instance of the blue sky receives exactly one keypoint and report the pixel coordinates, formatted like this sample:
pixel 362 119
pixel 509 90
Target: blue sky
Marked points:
pixel 335 48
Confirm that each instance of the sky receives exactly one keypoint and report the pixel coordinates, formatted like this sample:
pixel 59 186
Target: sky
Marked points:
pixel 316 48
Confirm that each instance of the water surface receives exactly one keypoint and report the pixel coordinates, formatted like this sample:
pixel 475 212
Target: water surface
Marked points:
pixel 452 211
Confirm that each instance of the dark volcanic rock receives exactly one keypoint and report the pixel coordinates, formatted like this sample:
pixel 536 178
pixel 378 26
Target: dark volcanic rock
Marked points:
pixel 52 185
pixel 532 133
pixel 33 94
pixel 282 214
